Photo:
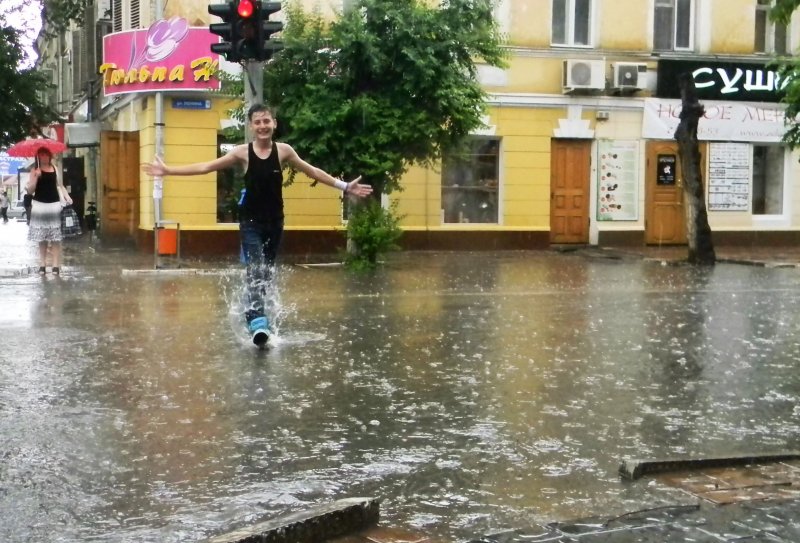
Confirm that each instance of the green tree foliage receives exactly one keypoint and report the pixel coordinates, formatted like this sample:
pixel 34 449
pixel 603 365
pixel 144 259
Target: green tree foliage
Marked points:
pixel 23 113
pixel 789 71
pixel 783 9
pixel 388 84
pixel 57 14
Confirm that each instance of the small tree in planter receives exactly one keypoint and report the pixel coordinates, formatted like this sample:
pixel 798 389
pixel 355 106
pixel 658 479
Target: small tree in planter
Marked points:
pixel 371 232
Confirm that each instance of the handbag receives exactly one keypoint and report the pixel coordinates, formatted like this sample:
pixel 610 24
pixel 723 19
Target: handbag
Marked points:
pixel 70 225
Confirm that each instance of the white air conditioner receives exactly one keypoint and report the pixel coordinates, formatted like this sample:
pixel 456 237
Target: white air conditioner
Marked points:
pixel 584 75
pixel 630 75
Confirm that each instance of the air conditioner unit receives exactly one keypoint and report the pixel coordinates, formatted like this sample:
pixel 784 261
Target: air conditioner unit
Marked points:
pixel 629 75
pixel 584 75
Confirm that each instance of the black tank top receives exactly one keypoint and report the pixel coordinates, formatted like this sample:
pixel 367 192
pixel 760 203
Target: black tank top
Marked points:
pixel 263 183
pixel 47 188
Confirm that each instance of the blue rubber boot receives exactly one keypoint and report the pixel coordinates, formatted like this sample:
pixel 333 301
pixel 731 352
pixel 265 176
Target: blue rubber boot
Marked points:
pixel 259 329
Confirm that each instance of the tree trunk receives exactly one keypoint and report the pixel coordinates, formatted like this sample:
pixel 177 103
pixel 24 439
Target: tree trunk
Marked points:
pixel 698 232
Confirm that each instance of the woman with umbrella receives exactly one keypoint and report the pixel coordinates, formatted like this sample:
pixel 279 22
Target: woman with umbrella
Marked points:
pixel 48 192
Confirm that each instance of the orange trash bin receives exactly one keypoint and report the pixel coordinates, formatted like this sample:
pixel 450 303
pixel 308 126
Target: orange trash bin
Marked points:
pixel 167 241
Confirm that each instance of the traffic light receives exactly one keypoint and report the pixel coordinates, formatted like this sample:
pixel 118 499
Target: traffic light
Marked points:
pixel 245 30
pixel 266 47
pixel 227 29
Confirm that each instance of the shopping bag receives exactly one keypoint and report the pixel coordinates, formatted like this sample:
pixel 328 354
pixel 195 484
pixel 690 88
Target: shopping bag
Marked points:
pixel 70 225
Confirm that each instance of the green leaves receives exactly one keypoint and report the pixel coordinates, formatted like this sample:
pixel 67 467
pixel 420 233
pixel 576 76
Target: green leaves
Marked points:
pixel 59 13
pixel 23 113
pixel 372 230
pixel 783 9
pixel 389 84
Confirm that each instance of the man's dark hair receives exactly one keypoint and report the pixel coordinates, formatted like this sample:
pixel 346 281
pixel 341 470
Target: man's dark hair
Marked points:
pixel 257 108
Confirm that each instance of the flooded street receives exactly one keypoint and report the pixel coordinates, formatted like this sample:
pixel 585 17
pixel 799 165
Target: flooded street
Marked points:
pixel 467 391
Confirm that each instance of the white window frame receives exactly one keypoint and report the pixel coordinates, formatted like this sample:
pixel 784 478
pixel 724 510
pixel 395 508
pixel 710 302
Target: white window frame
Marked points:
pixel 502 14
pixel 500 188
pixel 674 5
pixel 775 219
pixel 570 25
pixel 769 31
pixel 126 15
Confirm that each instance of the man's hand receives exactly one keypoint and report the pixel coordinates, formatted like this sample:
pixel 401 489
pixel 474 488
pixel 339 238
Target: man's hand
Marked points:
pixel 157 168
pixel 354 188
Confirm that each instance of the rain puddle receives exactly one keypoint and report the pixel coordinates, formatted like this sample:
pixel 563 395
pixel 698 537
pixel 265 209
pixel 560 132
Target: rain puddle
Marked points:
pixel 470 392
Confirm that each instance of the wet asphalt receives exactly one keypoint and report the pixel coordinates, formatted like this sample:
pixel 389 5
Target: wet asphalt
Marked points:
pixel 480 396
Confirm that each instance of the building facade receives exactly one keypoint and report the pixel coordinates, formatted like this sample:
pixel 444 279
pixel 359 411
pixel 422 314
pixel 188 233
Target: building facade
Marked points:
pixel 578 146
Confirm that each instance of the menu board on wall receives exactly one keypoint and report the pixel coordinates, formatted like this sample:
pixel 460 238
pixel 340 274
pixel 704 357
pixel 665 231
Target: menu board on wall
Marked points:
pixel 729 177
pixel 617 180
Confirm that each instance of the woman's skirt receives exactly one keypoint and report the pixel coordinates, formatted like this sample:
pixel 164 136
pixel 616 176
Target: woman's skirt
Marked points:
pixel 45 222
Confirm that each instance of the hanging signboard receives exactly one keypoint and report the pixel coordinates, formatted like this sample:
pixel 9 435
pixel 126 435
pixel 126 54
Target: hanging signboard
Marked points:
pixel 722 121
pixel 730 81
pixel 168 56
pixel 617 180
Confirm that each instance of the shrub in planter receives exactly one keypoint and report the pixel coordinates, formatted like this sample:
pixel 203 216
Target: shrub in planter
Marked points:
pixel 371 232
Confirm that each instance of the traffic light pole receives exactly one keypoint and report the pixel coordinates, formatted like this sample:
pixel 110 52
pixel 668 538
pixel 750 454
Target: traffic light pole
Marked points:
pixel 253 89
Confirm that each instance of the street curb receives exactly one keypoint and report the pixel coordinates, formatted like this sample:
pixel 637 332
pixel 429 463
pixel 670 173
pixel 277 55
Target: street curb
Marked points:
pixel 634 469
pixel 322 523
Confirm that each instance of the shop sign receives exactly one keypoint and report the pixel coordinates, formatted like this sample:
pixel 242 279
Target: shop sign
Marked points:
pixel 666 166
pixel 168 56
pixel 730 81
pixel 185 103
pixel 617 183
pixel 722 121
pixel 10 165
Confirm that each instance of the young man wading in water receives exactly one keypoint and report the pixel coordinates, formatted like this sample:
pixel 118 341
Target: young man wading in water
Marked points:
pixel 261 205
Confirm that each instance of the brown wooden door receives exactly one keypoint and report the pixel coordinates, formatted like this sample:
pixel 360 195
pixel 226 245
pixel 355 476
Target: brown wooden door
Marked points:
pixel 119 214
pixel 665 213
pixel 570 167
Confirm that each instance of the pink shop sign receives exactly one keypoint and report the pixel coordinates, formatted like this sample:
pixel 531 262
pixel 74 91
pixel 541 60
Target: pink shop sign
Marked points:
pixel 168 56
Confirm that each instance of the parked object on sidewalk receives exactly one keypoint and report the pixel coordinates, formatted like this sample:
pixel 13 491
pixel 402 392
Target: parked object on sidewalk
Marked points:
pixel 70 225
pixel 17 210
pixel 91 216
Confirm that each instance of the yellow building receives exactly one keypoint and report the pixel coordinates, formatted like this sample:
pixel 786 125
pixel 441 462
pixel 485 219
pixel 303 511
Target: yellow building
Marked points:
pixel 578 146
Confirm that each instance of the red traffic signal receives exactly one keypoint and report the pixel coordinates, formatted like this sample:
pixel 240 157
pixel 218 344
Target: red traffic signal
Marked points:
pixel 245 9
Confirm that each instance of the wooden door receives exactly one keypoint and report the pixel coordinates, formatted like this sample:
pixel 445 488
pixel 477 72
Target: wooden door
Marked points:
pixel 570 168
pixel 119 211
pixel 665 214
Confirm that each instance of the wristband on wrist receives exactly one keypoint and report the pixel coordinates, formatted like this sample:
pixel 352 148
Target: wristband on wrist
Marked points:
pixel 341 185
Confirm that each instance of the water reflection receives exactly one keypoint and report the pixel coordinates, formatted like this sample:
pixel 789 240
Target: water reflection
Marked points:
pixel 468 391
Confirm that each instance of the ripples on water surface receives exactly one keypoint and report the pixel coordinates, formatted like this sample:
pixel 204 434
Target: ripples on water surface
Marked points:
pixel 469 392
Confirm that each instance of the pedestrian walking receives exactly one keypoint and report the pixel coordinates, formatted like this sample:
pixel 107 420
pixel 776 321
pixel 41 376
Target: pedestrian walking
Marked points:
pixel 261 216
pixel 4 206
pixel 48 194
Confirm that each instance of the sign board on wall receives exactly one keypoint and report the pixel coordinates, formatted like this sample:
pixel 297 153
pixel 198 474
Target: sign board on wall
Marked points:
pixel 617 180
pixel 722 121
pixel 729 177
pixel 10 165
pixel 729 81
pixel 168 56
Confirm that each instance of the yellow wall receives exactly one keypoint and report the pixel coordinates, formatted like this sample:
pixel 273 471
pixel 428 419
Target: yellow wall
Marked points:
pixel 734 26
pixel 524 175
pixel 189 136
pixel 530 24
pixel 535 70
pixel 624 26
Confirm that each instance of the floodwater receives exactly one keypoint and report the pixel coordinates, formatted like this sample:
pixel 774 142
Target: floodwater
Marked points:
pixel 470 392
